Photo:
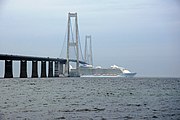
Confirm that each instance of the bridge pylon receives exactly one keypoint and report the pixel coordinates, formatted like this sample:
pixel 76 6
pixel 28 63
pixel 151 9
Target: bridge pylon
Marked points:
pixel 72 43
pixel 88 50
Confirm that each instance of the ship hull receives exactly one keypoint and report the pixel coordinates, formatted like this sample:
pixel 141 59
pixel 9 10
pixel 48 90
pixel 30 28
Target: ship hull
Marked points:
pixel 128 74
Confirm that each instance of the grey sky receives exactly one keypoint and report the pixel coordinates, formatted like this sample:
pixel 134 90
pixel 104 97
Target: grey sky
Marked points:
pixel 141 35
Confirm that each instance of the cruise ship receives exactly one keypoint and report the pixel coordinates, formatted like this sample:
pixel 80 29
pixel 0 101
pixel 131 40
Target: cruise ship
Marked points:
pixel 114 71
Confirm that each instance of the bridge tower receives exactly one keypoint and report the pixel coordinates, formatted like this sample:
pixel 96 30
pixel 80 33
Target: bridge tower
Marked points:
pixel 88 50
pixel 72 43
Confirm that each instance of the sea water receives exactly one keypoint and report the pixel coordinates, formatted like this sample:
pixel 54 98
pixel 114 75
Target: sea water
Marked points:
pixel 90 98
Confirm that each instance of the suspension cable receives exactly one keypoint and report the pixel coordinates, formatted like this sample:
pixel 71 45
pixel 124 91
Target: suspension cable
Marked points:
pixel 71 29
pixel 65 36
pixel 80 45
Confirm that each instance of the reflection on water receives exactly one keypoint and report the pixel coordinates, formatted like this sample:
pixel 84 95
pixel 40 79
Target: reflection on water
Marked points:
pixel 90 98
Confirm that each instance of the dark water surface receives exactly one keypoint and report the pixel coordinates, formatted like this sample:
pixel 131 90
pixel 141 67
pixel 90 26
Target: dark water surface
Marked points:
pixel 90 98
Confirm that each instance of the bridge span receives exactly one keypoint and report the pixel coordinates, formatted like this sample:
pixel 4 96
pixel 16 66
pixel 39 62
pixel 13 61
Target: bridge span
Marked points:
pixel 55 65
pixel 58 66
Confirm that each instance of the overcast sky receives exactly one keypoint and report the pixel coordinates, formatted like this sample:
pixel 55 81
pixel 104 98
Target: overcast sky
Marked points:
pixel 141 35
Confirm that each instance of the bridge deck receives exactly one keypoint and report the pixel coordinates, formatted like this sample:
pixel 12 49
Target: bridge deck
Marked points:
pixel 32 58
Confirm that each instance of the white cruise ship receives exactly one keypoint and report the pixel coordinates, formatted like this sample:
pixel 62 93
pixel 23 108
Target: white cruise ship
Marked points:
pixel 113 71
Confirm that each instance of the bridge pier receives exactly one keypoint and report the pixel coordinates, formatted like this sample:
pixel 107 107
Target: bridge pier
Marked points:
pixel 58 69
pixel 8 69
pixel 50 69
pixel 66 69
pixel 43 69
pixel 23 72
pixel 34 69
pixel 61 68
pixel 56 72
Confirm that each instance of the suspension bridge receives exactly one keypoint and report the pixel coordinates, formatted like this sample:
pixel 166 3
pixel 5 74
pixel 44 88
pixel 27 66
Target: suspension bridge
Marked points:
pixel 56 66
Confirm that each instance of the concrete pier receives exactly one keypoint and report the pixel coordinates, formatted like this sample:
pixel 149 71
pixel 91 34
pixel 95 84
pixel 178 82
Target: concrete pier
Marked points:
pixel 61 72
pixel 23 69
pixel 56 72
pixel 43 69
pixel 50 69
pixel 8 69
pixel 34 69
pixel 66 73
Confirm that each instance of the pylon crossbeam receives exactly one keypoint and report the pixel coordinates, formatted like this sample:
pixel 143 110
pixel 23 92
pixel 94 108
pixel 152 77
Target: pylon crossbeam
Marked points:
pixel 72 14
pixel 72 44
